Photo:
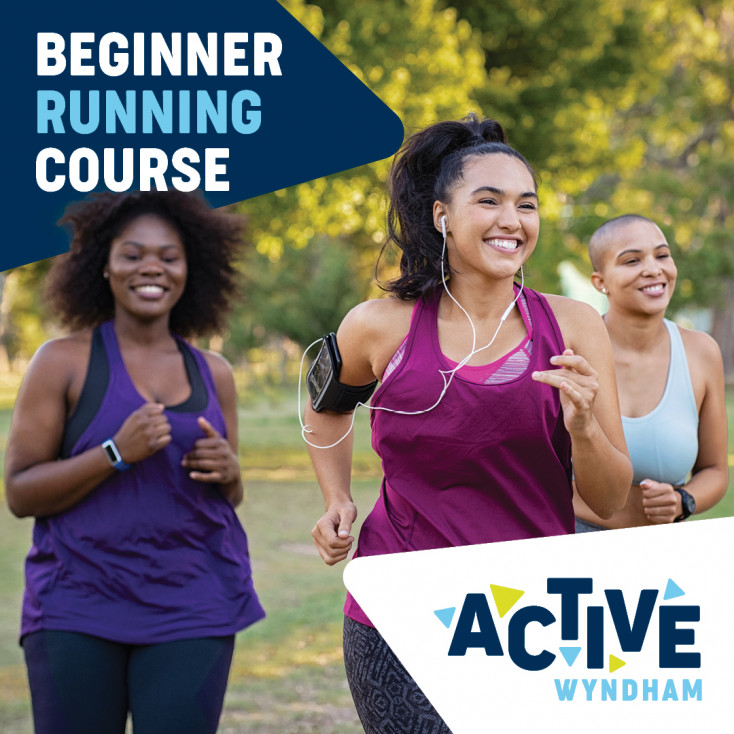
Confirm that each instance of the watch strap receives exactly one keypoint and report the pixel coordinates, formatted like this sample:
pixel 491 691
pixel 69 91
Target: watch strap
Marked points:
pixel 688 504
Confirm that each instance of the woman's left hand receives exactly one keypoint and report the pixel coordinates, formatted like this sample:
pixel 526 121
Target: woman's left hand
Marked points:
pixel 212 458
pixel 660 502
pixel 578 384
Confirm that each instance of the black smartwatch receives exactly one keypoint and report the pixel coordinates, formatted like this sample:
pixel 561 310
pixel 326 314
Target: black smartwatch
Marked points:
pixel 687 502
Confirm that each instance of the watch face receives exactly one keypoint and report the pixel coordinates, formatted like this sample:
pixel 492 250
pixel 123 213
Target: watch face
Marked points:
pixel 111 455
pixel 687 503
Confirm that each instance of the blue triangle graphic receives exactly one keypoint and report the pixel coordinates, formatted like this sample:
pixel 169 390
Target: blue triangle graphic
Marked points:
pixel 672 590
pixel 445 615
pixel 570 654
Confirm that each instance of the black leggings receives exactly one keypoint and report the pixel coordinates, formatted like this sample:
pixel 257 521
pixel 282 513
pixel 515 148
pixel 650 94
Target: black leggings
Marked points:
pixel 86 685
pixel 385 695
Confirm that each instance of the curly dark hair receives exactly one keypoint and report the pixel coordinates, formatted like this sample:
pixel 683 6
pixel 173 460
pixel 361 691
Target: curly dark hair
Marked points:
pixel 81 296
pixel 426 169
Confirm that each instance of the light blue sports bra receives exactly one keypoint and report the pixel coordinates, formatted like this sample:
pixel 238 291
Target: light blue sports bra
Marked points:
pixel 663 444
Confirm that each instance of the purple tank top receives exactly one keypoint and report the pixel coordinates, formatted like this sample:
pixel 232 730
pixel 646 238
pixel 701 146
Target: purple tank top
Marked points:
pixel 149 556
pixel 489 463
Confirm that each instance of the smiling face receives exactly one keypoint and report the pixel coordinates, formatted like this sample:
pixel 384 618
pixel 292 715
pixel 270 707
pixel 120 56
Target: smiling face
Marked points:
pixel 636 268
pixel 492 218
pixel 147 268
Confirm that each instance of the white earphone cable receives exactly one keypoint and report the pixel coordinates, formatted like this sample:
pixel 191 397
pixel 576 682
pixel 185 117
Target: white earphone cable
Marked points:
pixel 447 375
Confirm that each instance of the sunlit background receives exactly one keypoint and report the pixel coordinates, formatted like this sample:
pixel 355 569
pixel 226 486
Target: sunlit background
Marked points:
pixel 620 105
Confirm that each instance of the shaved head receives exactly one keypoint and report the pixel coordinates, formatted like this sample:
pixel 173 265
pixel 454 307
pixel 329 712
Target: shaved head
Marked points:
pixel 603 239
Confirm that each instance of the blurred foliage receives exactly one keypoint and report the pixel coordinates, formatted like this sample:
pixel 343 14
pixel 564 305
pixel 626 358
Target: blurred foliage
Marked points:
pixel 556 72
pixel 301 296
pixel 426 64
pixel 684 115
pixel 423 63
pixel 621 106
pixel 23 317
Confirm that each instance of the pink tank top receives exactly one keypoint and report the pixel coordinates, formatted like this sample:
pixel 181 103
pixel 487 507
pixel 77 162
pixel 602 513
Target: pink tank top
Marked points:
pixel 491 462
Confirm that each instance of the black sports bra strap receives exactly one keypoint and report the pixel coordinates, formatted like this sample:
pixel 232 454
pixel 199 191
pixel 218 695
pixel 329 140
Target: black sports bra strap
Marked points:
pixel 198 399
pixel 92 395
pixel 98 379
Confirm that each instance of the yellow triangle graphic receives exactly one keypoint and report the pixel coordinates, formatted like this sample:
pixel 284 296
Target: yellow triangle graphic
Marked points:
pixel 505 598
pixel 615 663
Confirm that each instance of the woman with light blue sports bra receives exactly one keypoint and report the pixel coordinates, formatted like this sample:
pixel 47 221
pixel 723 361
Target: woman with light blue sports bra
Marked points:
pixel 670 382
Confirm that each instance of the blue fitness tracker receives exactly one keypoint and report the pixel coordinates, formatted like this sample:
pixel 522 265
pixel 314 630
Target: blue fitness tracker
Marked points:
pixel 113 455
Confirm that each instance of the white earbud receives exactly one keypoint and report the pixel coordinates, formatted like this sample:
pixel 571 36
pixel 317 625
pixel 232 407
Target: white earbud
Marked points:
pixel 447 375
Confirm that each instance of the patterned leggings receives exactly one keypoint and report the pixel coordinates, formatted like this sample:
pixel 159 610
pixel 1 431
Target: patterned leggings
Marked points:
pixel 387 699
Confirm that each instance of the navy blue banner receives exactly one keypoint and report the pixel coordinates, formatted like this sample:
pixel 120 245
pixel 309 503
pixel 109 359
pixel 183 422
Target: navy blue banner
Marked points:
pixel 234 99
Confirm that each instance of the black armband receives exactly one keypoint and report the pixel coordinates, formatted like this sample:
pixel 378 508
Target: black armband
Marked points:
pixel 326 392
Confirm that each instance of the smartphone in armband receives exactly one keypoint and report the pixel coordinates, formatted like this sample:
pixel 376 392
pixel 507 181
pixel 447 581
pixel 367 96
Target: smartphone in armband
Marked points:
pixel 326 392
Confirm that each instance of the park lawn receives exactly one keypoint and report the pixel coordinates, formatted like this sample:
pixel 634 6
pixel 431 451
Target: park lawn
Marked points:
pixel 287 675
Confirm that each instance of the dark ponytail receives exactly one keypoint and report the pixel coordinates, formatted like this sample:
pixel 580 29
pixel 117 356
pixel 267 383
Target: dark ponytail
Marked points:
pixel 425 170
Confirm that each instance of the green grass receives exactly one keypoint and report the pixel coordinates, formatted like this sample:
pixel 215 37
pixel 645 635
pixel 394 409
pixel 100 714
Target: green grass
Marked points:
pixel 287 676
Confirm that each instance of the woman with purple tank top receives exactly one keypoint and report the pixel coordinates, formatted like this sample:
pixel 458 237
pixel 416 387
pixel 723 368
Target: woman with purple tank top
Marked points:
pixel 123 446
pixel 531 386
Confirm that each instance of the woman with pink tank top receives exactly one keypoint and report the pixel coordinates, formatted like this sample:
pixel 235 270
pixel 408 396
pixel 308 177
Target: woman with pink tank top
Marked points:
pixel 488 391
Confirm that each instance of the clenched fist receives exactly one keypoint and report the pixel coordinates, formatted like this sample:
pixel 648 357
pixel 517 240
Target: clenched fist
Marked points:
pixel 145 431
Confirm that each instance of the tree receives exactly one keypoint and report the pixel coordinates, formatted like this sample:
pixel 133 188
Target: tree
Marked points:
pixel 425 64
pixel 620 105
pixel 543 69
pixel 24 318
pixel 302 295
pixel 685 120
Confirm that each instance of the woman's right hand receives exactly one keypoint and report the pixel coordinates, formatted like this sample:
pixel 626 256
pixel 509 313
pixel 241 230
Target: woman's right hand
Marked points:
pixel 368 338
pixel 145 431
pixel 331 534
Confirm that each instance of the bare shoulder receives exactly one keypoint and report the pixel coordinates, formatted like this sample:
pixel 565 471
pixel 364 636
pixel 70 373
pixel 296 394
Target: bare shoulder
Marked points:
pixel 222 375
pixel 61 356
pixel 57 371
pixel 378 317
pixel 580 323
pixel 704 356
pixel 369 336
pixel 218 364
pixel 700 345
pixel 223 378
